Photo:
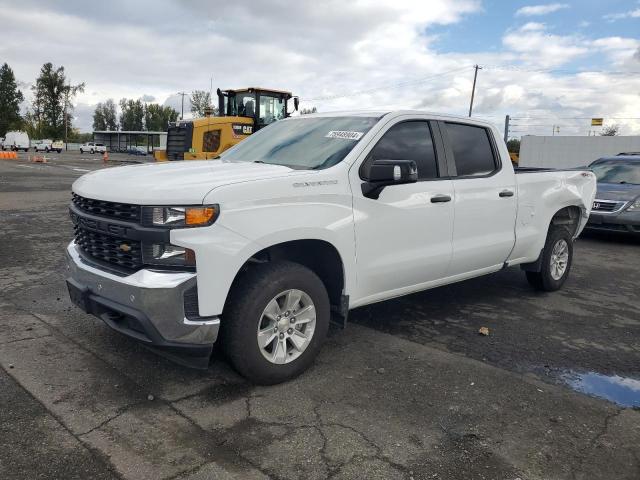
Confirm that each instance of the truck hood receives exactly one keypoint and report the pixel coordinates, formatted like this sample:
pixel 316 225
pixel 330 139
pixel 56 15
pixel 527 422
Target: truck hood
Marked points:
pixel 622 192
pixel 172 183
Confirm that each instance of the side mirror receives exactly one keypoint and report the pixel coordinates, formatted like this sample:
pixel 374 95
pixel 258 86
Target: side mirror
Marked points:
pixel 389 172
pixel 296 102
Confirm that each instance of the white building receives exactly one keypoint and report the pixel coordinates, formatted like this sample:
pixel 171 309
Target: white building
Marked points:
pixel 567 152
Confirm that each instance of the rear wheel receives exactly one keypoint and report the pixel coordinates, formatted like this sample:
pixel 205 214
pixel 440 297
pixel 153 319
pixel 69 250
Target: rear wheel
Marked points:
pixel 557 257
pixel 275 322
pixel 91 151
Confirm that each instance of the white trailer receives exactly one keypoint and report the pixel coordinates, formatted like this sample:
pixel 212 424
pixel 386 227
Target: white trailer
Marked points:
pixel 568 152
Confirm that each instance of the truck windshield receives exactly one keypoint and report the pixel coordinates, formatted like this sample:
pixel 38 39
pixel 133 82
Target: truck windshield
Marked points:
pixel 617 171
pixel 303 143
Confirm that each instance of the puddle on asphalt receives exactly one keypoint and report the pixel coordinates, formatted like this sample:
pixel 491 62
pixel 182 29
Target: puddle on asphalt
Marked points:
pixel 624 391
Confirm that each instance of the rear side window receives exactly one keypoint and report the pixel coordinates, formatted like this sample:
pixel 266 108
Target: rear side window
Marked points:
pixel 406 141
pixel 472 149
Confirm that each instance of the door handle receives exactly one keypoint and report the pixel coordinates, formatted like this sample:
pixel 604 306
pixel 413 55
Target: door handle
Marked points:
pixel 506 193
pixel 440 199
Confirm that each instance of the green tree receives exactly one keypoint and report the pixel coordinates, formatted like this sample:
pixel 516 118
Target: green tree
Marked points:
pixel 513 145
pixel 131 115
pixel 105 116
pixel 98 118
pixel 200 102
pixel 10 99
pixel 610 130
pixel 157 117
pixel 52 98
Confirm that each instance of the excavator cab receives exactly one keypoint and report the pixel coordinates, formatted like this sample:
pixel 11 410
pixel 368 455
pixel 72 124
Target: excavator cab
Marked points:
pixel 240 113
pixel 264 106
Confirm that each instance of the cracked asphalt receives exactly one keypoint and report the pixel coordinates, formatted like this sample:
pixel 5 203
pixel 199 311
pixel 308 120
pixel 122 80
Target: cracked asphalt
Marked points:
pixel 409 390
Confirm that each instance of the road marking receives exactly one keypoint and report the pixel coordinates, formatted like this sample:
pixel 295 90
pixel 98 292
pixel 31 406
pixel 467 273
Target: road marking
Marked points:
pixel 80 169
pixel 25 166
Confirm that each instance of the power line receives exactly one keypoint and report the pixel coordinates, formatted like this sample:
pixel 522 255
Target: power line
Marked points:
pixel 517 68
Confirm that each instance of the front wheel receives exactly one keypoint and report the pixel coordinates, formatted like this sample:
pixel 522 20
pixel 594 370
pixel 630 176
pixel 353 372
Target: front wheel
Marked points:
pixel 557 257
pixel 91 151
pixel 275 322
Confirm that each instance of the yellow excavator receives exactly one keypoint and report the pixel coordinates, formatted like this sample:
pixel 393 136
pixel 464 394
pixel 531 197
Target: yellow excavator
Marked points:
pixel 240 113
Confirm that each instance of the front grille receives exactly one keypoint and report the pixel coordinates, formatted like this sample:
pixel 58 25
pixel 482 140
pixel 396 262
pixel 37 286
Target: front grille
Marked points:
pixel 117 251
pixel 121 211
pixel 177 142
pixel 607 205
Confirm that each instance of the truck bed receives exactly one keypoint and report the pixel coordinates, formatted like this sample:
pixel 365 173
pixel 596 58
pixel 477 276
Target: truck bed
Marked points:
pixel 539 169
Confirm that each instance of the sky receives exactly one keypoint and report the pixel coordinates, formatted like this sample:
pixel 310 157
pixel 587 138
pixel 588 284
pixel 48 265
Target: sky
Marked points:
pixel 545 64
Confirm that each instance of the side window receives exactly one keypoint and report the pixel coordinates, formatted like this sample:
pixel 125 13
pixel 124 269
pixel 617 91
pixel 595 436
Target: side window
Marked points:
pixel 406 141
pixel 471 149
pixel 211 141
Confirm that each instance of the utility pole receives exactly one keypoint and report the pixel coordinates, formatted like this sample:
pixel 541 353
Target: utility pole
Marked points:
pixel 182 110
pixel 506 128
pixel 66 122
pixel 473 89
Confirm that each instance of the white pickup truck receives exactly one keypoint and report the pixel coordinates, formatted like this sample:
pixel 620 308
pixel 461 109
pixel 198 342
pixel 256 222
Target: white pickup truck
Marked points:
pixel 308 218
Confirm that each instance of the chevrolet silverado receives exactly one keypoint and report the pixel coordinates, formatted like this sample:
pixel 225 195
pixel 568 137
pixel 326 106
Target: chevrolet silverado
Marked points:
pixel 306 219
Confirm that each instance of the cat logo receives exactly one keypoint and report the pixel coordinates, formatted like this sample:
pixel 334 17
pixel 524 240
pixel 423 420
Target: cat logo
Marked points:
pixel 125 248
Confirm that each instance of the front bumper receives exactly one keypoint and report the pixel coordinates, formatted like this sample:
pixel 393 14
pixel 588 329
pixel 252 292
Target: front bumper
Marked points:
pixel 625 222
pixel 147 305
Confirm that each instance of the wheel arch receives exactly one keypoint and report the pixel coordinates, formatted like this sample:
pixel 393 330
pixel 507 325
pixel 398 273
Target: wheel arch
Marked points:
pixel 320 256
pixel 569 217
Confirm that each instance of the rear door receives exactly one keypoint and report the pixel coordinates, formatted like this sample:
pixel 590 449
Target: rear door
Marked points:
pixel 485 199
pixel 403 238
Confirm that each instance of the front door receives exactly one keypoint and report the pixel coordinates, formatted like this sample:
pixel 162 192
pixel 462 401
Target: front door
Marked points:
pixel 403 238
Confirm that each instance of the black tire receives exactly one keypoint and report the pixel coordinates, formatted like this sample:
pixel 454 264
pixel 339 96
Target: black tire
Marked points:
pixel 91 151
pixel 249 296
pixel 46 149
pixel 543 280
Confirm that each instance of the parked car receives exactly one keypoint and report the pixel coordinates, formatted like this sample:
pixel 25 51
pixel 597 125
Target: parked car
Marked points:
pixel 48 146
pixel 93 147
pixel 617 203
pixel 136 151
pixel 16 141
pixel 312 216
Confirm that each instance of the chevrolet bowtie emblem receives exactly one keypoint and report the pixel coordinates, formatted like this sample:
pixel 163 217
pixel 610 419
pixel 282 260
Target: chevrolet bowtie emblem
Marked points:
pixel 125 248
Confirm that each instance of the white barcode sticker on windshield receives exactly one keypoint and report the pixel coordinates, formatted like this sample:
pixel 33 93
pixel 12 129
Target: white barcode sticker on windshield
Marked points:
pixel 347 135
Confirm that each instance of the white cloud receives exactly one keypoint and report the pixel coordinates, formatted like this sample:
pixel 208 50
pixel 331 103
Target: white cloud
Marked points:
pixel 612 17
pixel 533 10
pixel 386 48
pixel 536 46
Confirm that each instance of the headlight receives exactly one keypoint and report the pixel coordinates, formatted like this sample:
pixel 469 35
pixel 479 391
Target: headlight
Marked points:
pixel 180 217
pixel 168 255
pixel 634 206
